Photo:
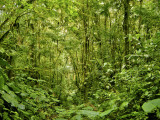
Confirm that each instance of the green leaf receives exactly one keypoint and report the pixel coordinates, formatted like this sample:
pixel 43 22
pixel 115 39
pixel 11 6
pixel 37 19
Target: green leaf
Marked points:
pixel 77 117
pixel 59 110
pixel 106 112
pixel 11 93
pixel 42 98
pixel 14 87
pixel 33 95
pixel 156 102
pixel 123 105
pixel 32 79
pixel 90 114
pixel 55 100
pixel 6 88
pixel 10 99
pixel 21 106
pixel 24 94
pixel 149 106
pixel 2 50
pixel 39 80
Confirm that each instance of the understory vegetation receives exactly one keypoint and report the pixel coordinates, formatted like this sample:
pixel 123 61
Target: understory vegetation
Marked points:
pixel 80 59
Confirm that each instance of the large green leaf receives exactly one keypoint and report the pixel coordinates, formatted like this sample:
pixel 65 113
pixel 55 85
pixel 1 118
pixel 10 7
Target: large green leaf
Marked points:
pixel 10 92
pixel 12 98
pixel 90 114
pixel 149 106
pixel 7 97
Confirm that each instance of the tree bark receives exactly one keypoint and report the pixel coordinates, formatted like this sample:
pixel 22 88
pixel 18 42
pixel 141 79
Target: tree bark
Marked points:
pixel 126 31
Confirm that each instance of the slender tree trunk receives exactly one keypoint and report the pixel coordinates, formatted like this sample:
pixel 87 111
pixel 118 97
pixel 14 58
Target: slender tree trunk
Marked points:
pixel 140 22
pixel 85 49
pixel 126 30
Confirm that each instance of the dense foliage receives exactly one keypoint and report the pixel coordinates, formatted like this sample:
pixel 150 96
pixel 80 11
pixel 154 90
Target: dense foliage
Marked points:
pixel 79 60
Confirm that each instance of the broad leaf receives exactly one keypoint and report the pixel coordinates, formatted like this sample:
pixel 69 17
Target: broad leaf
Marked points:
pixel 10 99
pixel 149 106
pixel 90 114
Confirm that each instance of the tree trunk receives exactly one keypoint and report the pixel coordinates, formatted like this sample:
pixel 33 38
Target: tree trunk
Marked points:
pixel 85 50
pixel 126 30
pixel 140 21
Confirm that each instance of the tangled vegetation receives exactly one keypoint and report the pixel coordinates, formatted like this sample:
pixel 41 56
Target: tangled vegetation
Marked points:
pixel 79 60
